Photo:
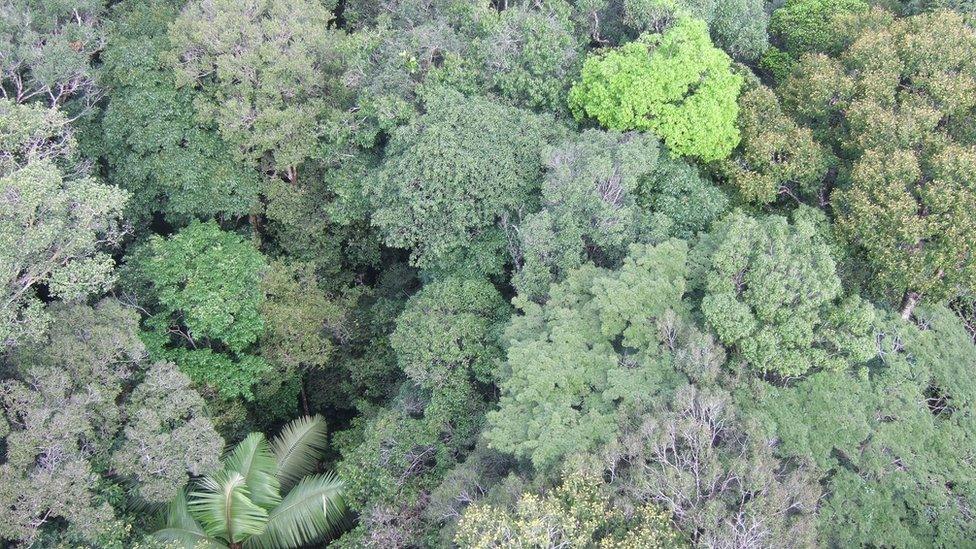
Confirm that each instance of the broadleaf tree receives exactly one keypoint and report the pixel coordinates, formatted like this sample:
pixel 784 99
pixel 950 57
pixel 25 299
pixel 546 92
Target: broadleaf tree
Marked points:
pixel 675 84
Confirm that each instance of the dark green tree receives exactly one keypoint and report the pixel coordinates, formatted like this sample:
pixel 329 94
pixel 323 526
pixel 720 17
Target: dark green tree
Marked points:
pixel 392 461
pixel 808 26
pixel 452 175
pixel 737 26
pixel 692 452
pixel 602 192
pixel 450 330
pixel 589 208
pixel 156 146
pixel 776 157
pixel 530 55
pixel 303 324
pixel 682 202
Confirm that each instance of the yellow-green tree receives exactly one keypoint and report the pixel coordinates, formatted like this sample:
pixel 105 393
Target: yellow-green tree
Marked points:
pixel 676 85
pixel 576 514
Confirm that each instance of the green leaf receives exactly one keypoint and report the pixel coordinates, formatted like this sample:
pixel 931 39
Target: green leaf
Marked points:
pixel 183 529
pixel 224 508
pixel 252 458
pixel 314 508
pixel 298 447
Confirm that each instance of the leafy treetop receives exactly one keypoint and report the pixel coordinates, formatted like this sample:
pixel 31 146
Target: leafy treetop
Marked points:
pixel 676 85
pixel 772 292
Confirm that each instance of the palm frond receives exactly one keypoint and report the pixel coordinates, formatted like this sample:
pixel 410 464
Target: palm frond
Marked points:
pixel 252 458
pixel 183 530
pixel 313 509
pixel 298 447
pixel 224 509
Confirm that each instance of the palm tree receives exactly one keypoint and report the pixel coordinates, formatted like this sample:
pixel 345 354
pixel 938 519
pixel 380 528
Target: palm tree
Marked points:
pixel 241 506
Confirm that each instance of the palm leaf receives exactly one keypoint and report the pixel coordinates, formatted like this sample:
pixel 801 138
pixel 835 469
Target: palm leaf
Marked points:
pixel 183 530
pixel 313 509
pixel 298 447
pixel 252 458
pixel 224 509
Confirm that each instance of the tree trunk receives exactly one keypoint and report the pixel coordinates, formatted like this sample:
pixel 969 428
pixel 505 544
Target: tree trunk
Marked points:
pixel 304 397
pixel 254 218
pixel 908 303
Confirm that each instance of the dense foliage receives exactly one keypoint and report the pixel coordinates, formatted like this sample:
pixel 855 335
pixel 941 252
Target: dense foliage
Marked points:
pixel 615 274
pixel 675 84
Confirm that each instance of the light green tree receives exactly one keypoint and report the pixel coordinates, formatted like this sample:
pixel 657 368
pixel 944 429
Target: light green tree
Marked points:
pixel 676 85
pixel 575 514
pixel 266 495
pixel 56 223
pixel 592 347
